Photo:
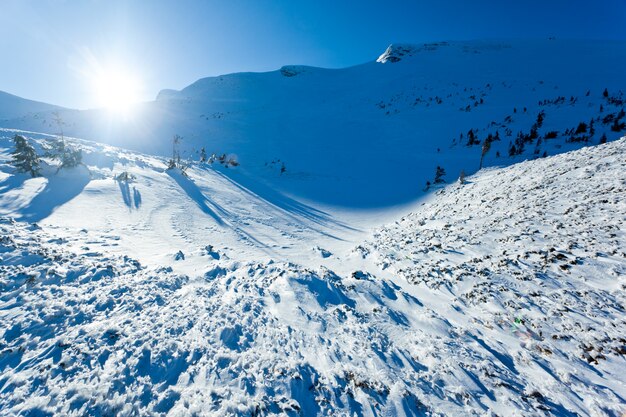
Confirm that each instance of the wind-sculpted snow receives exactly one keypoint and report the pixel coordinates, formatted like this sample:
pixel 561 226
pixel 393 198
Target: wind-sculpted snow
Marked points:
pixel 98 335
pixel 528 265
pixel 503 296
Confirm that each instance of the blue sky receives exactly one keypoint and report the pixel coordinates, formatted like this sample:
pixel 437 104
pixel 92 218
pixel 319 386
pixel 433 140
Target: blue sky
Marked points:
pixel 48 46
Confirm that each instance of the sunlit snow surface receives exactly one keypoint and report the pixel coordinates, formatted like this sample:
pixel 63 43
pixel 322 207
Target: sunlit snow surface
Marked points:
pixel 371 135
pixel 342 286
pixel 504 295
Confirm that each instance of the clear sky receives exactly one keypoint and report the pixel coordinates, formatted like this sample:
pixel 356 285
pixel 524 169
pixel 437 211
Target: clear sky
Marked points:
pixel 50 48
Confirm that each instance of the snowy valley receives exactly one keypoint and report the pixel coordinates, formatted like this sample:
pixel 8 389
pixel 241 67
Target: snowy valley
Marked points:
pixel 331 271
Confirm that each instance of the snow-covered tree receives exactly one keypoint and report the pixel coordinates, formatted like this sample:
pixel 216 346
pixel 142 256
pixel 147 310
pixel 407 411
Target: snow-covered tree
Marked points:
pixel 54 148
pixel 71 158
pixel 68 156
pixel 24 157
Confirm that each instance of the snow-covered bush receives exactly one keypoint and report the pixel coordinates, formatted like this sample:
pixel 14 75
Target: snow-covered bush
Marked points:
pixel 125 177
pixel 71 158
pixel 68 156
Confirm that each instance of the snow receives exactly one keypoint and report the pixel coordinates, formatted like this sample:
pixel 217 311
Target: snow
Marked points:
pixel 503 295
pixel 370 136
pixel 342 286
pixel 13 107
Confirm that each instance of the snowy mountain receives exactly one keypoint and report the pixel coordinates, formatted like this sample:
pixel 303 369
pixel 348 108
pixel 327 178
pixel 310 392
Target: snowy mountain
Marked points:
pixel 372 135
pixel 335 266
pixel 502 296
pixel 12 107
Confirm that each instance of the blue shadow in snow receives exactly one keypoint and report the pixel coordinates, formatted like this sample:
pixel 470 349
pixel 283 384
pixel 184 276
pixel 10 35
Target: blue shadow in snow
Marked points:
pixel 192 190
pixel 136 197
pixel 58 190
pixel 14 181
pixel 282 202
pixel 217 212
pixel 125 189
pixel 133 200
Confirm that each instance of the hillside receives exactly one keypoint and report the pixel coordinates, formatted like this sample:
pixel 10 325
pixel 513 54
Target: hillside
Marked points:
pixel 372 135
pixel 12 107
pixel 503 296
pixel 326 271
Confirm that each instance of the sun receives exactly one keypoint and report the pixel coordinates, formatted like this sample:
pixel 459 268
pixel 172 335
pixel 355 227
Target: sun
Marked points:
pixel 116 90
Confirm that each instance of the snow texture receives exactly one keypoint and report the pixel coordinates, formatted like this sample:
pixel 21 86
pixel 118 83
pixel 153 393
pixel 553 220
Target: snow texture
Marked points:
pixel 503 296
pixel 372 135
pixel 328 273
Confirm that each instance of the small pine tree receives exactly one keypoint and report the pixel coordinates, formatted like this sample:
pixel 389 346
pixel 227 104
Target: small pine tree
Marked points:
pixel 618 126
pixel 471 138
pixel 175 161
pixel 603 139
pixel 24 157
pixel 485 149
pixel 462 177
pixel 439 174
pixel 540 118
pixel 582 128
pixel 203 157
pixel 59 121
pixel 282 168
pixel 605 93
pixel 71 158
pixel 55 148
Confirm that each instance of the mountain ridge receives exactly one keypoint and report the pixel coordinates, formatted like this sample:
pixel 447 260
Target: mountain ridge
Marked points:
pixel 400 120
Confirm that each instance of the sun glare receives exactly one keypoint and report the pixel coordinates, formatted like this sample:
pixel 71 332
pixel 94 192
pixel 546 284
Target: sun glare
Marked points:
pixel 117 91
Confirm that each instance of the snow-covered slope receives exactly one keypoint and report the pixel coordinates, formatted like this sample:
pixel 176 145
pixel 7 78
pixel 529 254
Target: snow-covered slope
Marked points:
pixel 504 296
pixel 262 289
pixel 372 135
pixel 12 107
pixel 162 211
